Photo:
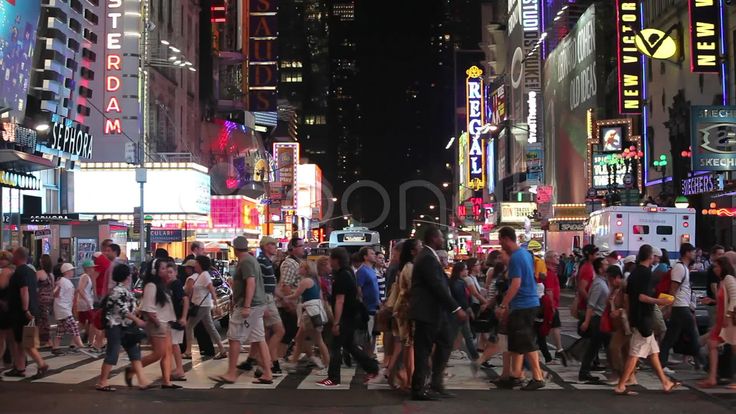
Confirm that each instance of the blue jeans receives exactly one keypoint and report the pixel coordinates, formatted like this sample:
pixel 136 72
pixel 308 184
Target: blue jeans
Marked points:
pixel 114 343
pixel 464 328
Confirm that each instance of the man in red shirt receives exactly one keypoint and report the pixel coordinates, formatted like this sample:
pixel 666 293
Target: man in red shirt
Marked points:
pixel 585 277
pixel 552 287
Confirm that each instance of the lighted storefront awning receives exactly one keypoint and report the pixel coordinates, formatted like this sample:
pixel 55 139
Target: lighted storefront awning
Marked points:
pixel 22 161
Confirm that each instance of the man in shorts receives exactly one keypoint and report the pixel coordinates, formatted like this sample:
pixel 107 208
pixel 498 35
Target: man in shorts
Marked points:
pixel 246 317
pixel 271 319
pixel 642 302
pixel 519 309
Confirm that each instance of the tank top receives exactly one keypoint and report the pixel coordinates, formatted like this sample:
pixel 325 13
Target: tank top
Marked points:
pixel 311 293
pixel 88 294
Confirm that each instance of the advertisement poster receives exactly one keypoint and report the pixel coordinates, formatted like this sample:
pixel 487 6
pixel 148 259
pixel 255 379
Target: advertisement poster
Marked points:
pixel 574 75
pixel 18 26
pixel 287 162
pixel 713 138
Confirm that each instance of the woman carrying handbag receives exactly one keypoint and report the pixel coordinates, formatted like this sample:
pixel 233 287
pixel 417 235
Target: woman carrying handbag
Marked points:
pixel 202 295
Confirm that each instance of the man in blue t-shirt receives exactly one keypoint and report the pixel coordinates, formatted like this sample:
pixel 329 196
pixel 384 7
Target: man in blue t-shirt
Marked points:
pixel 518 311
pixel 368 286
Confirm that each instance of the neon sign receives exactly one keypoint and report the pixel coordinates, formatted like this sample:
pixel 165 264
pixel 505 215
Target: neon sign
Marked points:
pixel 630 84
pixel 475 107
pixel 113 67
pixel 531 118
pixel 657 44
pixel 705 32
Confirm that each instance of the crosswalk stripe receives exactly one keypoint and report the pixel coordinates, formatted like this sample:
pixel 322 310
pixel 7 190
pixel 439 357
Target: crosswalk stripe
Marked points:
pixel 54 363
pixel 75 375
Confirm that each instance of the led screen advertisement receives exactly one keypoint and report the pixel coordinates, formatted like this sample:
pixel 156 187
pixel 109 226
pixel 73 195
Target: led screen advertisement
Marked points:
pixel 574 74
pixel 18 26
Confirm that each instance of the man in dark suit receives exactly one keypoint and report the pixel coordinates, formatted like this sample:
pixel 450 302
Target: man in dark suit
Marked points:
pixel 431 306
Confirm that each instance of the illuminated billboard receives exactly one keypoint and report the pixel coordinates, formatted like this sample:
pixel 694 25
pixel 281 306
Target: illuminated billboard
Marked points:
pixel 475 108
pixel 630 70
pixel 286 155
pixel 705 35
pixel 263 56
pixel 18 27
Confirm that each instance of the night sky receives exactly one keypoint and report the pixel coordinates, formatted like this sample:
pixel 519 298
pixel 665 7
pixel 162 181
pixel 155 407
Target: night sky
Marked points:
pixel 406 98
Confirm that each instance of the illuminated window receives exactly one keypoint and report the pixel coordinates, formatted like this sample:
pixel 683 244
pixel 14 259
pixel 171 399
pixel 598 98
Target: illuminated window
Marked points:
pixel 291 77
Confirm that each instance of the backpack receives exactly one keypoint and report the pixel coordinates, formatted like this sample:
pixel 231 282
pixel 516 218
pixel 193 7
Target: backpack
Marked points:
pixel 663 286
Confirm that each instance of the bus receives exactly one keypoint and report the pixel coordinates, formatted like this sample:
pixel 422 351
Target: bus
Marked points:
pixel 354 238
pixel 625 229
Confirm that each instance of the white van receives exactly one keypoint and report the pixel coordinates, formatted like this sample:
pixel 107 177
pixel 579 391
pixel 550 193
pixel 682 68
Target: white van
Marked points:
pixel 625 229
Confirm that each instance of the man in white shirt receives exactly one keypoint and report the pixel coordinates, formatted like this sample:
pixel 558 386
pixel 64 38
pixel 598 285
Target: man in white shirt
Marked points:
pixel 63 303
pixel 682 320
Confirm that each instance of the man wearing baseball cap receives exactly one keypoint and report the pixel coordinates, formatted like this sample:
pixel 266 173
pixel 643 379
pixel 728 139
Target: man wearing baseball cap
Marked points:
pixel 246 318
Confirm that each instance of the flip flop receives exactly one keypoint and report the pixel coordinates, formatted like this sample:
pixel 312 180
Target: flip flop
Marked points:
pixel 106 388
pixel 262 381
pixel 186 356
pixel 705 385
pixel 626 393
pixel 128 377
pixel 171 387
pixel 674 386
pixel 220 355
pixel 220 379
pixel 180 379
pixel 148 387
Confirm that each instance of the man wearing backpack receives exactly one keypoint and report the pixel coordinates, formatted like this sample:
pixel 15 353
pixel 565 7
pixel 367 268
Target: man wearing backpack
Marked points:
pixel 682 319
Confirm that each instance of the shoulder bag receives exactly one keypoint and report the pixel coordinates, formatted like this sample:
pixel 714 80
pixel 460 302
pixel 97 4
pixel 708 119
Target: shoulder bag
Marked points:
pixel 194 309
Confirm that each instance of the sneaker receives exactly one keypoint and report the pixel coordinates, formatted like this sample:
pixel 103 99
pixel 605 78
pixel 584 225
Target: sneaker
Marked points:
pixel 533 385
pixel 316 361
pixel 327 383
pixel 588 378
pixel 487 365
pixel 381 378
pixel 563 358
pixel 669 371
pixel 57 352
pixel 458 354
pixel 247 365
pixel 73 350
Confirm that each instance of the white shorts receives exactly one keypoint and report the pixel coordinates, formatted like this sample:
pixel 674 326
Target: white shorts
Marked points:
pixel 641 347
pixel 247 331
pixel 177 337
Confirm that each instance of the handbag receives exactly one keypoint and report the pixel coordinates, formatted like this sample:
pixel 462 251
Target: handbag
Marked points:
pixel 132 335
pixel 194 309
pixel 30 336
pixel 605 325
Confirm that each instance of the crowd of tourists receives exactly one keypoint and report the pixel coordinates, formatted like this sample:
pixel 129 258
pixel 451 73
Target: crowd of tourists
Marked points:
pixel 293 314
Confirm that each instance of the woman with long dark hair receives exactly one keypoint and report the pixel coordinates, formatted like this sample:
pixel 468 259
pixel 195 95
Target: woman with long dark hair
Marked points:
pixel 159 312
pixel 723 330
pixel 45 278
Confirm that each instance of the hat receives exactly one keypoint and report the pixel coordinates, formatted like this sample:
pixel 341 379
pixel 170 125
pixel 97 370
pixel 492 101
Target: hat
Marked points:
pixel 540 289
pixel 534 246
pixel 87 264
pixel 190 263
pixel 612 253
pixel 266 240
pixel 240 243
pixel 590 249
pixel 630 259
pixel 66 267
pixel 657 251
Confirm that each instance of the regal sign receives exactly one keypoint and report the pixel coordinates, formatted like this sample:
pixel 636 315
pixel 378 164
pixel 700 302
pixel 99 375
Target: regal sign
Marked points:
pixel 705 35
pixel 630 70
pixel 263 56
pixel 475 106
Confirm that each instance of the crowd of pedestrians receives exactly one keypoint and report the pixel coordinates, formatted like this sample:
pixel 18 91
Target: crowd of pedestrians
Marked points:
pixel 295 313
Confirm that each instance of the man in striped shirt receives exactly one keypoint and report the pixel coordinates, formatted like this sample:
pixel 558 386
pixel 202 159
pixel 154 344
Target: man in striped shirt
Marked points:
pixel 381 276
pixel 271 318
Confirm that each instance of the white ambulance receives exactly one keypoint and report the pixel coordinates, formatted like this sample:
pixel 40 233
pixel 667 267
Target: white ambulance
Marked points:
pixel 625 229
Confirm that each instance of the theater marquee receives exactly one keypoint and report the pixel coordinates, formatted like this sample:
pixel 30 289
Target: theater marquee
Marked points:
pixel 705 35
pixel 475 107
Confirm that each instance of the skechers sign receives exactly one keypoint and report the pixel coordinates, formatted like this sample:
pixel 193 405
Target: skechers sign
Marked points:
pixel 705 35
pixel 630 83
pixel 700 184
pixel 713 138
pixel 475 121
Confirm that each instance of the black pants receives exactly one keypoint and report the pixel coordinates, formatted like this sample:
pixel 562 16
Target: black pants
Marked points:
pixel 597 339
pixel 542 342
pixel 426 335
pixel 682 322
pixel 290 325
pixel 346 341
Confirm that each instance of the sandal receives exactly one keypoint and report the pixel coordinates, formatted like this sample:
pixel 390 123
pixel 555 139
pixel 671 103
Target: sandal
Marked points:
pixel 129 376
pixel 262 381
pixel 106 388
pixel 221 379
pixel 171 387
pixel 147 387
pixel 220 355
pixel 705 384
pixel 674 386
pixel 626 393
pixel 186 356
pixel 180 379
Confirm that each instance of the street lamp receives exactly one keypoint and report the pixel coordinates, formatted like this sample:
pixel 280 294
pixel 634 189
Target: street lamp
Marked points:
pixel 681 202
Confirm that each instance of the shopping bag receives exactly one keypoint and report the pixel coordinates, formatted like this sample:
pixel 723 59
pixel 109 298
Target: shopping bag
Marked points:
pixel 30 335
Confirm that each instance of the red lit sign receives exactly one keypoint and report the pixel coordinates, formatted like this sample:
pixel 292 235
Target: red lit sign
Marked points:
pixel 263 59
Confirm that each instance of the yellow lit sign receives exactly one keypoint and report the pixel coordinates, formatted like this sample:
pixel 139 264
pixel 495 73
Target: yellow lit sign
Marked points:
pixel 656 44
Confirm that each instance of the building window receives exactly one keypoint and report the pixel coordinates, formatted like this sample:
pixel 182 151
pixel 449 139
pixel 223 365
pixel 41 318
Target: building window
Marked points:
pixel 291 77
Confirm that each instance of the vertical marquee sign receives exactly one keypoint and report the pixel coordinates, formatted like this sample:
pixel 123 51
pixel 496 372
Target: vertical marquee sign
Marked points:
pixel 630 76
pixel 705 35
pixel 287 162
pixel 475 108
pixel 263 56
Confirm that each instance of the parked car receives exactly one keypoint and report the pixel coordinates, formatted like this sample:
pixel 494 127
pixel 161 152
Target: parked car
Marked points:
pixel 222 289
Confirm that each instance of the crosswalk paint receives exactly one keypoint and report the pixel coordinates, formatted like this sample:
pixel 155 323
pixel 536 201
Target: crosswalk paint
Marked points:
pixel 76 375
pixel 54 363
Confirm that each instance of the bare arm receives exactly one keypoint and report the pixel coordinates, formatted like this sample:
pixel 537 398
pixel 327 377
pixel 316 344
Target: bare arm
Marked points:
pixel 250 290
pixel 474 293
pixel 189 287
pixel 512 291
pixel 304 284
pixel 80 290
